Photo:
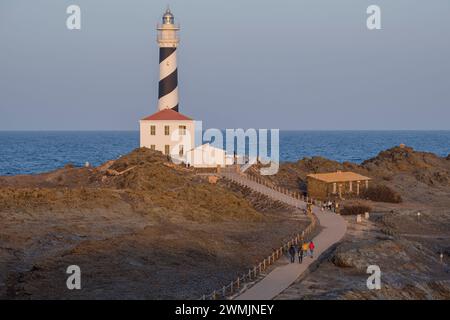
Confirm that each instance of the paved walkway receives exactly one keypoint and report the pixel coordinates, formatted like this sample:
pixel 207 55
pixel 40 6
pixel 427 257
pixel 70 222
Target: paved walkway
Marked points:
pixel 271 193
pixel 279 279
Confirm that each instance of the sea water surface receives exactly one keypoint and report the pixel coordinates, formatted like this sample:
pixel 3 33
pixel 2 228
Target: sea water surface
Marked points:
pixel 34 152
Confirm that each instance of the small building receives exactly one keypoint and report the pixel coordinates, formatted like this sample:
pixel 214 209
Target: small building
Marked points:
pixel 208 156
pixel 323 186
pixel 168 131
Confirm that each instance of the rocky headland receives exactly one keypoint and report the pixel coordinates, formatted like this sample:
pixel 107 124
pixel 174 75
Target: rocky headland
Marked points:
pixel 140 227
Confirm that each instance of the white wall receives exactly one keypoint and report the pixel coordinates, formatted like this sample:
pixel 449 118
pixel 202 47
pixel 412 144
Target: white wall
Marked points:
pixel 205 156
pixel 173 139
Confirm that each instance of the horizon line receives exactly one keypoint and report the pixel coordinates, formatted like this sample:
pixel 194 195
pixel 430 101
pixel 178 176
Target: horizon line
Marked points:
pixel 291 130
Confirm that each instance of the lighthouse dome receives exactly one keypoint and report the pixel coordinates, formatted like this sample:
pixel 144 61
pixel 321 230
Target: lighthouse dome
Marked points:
pixel 168 17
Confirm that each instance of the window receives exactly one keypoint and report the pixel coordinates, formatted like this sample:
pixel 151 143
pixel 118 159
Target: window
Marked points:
pixel 181 152
pixel 182 130
pixel 166 149
pixel 152 130
pixel 166 130
pixel 152 147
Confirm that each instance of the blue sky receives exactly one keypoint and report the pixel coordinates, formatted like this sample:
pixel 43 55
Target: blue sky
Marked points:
pixel 296 64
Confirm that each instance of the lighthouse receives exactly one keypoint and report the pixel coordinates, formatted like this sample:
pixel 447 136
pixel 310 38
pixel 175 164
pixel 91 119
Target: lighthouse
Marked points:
pixel 168 130
pixel 168 74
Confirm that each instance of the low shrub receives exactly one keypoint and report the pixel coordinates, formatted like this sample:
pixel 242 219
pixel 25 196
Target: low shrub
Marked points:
pixel 382 193
pixel 350 210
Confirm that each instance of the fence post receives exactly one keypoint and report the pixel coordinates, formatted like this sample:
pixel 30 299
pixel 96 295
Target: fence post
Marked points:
pixel 224 291
pixel 237 283
pixel 214 295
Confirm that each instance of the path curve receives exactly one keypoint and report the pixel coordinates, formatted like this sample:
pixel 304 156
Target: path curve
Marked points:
pixel 279 279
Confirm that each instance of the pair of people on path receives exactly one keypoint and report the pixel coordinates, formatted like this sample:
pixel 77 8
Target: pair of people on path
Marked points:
pixel 329 205
pixel 306 247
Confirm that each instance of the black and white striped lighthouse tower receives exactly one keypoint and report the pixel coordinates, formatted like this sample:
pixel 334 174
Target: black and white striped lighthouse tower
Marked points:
pixel 168 74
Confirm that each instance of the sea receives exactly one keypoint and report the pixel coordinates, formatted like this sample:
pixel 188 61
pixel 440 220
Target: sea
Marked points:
pixel 29 152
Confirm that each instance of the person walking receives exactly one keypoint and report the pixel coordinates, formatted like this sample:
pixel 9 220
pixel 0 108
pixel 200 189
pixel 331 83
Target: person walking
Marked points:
pixel 300 255
pixel 311 248
pixel 296 250
pixel 305 249
pixel 292 253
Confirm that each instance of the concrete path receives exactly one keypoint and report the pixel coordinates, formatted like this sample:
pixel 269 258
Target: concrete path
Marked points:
pixel 283 276
pixel 279 279
pixel 265 190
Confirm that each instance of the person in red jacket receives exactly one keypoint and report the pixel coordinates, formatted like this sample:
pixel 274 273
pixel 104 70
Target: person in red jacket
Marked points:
pixel 311 248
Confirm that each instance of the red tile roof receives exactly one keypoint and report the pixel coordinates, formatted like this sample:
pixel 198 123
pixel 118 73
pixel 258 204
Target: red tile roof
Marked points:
pixel 167 114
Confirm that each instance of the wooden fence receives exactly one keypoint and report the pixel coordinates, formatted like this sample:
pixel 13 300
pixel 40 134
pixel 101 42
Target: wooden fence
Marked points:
pixel 292 198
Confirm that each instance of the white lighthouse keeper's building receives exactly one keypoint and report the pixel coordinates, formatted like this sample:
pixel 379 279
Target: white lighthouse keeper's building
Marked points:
pixel 208 156
pixel 168 131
